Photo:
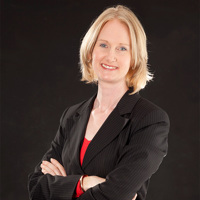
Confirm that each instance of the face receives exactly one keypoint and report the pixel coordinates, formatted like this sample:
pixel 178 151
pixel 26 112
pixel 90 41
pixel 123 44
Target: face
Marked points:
pixel 111 55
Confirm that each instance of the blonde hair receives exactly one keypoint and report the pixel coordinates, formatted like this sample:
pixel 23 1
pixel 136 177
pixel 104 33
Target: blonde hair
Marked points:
pixel 138 74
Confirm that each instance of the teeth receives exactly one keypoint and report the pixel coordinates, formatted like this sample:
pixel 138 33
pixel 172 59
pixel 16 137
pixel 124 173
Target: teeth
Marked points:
pixel 108 67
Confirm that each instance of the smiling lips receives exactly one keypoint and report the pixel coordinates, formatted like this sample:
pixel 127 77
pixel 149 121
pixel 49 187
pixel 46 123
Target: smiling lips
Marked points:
pixel 108 67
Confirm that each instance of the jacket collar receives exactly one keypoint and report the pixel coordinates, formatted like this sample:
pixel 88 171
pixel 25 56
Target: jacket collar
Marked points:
pixel 127 102
pixel 108 131
pixel 125 105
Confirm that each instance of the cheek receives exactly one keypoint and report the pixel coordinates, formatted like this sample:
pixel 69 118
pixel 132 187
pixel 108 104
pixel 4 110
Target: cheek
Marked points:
pixel 98 54
pixel 96 58
pixel 94 55
pixel 95 61
pixel 126 62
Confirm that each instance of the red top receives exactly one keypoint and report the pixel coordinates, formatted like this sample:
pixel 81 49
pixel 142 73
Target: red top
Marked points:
pixel 82 154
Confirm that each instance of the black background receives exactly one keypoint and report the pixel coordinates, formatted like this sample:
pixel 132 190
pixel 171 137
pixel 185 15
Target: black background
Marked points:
pixel 40 77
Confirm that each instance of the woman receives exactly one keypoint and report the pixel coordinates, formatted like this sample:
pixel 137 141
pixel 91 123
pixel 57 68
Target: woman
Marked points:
pixel 109 146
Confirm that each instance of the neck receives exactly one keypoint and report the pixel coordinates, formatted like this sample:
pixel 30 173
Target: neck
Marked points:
pixel 108 95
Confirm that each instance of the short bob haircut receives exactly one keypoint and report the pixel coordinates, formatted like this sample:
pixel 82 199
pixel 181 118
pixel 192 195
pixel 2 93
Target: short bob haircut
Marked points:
pixel 138 74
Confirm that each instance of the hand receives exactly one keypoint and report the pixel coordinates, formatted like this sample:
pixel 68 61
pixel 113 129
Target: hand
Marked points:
pixel 134 197
pixel 54 168
pixel 91 181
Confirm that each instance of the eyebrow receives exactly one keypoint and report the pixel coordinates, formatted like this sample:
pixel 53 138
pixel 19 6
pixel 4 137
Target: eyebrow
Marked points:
pixel 108 42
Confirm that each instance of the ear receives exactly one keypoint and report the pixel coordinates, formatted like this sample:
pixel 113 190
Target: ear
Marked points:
pixel 89 58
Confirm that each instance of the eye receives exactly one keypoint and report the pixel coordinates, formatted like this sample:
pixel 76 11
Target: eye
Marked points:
pixel 122 49
pixel 103 45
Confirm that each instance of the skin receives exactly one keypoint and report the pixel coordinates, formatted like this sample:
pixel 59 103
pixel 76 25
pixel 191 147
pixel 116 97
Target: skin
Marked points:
pixel 113 50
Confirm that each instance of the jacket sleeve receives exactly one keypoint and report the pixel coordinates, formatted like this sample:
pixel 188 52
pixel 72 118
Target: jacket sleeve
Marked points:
pixel 42 186
pixel 139 159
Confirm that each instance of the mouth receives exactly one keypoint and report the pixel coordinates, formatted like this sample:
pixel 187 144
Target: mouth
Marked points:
pixel 108 67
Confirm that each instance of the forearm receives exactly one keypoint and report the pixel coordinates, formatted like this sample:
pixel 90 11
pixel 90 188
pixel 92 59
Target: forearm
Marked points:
pixel 52 187
pixel 91 181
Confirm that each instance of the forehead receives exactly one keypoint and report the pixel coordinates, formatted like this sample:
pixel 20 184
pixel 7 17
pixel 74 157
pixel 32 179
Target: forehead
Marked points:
pixel 115 31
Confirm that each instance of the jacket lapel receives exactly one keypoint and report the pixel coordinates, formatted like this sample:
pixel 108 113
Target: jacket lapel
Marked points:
pixel 111 127
pixel 80 120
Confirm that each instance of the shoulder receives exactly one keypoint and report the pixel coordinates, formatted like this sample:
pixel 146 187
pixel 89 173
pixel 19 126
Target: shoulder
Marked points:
pixel 77 109
pixel 147 112
pixel 147 106
pixel 72 110
pixel 137 107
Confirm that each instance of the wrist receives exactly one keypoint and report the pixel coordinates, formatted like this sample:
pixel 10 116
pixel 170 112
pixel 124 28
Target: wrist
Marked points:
pixel 81 182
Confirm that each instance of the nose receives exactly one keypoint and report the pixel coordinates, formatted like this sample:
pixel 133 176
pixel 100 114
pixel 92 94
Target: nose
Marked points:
pixel 111 56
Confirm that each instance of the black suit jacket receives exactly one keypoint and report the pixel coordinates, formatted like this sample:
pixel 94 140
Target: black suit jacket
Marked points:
pixel 127 150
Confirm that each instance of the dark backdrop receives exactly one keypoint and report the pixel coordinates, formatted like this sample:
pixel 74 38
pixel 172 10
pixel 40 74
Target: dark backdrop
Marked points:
pixel 40 78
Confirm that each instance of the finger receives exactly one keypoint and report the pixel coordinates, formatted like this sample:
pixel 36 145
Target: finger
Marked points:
pixel 52 167
pixel 47 170
pixel 59 166
pixel 135 197
pixel 44 171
